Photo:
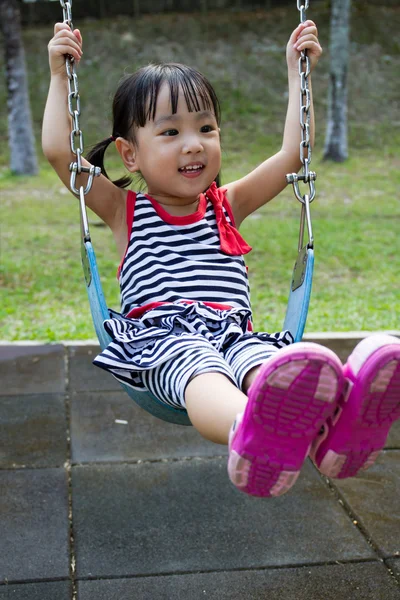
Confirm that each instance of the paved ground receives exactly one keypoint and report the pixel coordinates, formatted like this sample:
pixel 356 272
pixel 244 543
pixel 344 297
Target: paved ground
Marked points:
pixel 100 501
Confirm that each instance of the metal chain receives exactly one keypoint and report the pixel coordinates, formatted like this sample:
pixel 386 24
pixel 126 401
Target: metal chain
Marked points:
pixel 307 176
pixel 76 136
pixel 74 109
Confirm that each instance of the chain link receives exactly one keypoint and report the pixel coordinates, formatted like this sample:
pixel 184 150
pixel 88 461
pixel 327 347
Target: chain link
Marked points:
pixel 67 12
pixel 307 176
pixel 74 109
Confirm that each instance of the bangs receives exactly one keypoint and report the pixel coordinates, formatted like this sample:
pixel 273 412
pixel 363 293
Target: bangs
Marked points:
pixel 198 93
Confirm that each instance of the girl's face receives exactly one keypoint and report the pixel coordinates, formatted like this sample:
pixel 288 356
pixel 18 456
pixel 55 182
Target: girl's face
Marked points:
pixel 179 155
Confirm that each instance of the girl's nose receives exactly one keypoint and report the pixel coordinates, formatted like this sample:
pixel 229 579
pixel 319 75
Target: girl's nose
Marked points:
pixel 192 144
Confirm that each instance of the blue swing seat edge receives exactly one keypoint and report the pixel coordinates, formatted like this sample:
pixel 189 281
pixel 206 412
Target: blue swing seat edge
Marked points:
pixel 299 300
pixel 295 319
pixel 99 310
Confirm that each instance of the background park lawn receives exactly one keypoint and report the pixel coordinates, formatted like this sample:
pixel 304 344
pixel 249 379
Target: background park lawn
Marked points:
pixel 356 214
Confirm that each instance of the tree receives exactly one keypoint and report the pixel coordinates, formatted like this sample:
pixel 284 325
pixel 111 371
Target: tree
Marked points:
pixel 21 139
pixel 336 147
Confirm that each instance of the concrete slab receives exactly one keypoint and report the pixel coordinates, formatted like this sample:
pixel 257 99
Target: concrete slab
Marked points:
pixel 342 343
pixel 52 590
pixel 34 531
pixel 165 518
pixel 83 375
pixel 32 369
pixel 394 564
pixel 109 426
pixel 393 440
pixel 361 581
pixel 374 499
pixel 32 431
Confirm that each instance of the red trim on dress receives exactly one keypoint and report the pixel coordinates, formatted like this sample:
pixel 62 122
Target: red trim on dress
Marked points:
pixel 231 242
pixel 130 211
pixel 138 311
pixel 176 220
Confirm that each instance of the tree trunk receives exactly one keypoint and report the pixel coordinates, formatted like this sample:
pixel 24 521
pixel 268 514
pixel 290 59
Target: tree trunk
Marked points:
pixel 21 139
pixel 336 135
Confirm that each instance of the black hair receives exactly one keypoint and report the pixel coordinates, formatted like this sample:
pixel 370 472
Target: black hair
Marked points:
pixel 135 104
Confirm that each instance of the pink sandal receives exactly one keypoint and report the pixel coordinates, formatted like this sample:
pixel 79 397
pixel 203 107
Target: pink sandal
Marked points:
pixel 294 393
pixel 352 439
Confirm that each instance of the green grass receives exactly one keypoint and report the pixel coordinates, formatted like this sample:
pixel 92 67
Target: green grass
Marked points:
pixel 356 215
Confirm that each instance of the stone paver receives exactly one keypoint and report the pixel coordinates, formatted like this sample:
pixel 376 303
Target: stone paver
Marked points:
pixel 83 375
pixel 97 436
pixel 32 369
pixel 33 431
pixel 186 516
pixel 393 440
pixel 154 514
pixel 52 590
pixel 375 499
pixel 362 581
pixel 34 535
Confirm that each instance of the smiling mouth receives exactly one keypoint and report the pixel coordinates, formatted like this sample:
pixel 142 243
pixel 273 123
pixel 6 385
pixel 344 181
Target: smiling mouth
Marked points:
pixel 191 169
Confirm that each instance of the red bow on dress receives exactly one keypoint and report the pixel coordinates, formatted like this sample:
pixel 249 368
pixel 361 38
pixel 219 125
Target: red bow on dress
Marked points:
pixel 231 241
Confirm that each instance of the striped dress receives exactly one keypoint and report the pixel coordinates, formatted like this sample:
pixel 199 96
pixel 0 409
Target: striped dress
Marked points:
pixel 183 283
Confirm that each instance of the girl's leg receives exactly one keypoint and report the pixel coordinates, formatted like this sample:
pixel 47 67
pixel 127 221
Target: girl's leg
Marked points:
pixel 353 437
pixel 212 402
pixel 249 378
pixel 171 380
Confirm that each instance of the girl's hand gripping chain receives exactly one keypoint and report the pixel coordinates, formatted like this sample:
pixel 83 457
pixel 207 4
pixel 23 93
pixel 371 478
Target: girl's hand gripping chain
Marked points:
pixel 64 42
pixel 104 198
pixel 304 37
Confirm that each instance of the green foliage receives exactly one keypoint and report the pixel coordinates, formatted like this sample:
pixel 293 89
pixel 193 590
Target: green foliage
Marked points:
pixel 356 214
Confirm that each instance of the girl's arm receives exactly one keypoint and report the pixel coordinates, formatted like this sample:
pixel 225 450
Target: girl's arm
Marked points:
pixel 105 199
pixel 266 181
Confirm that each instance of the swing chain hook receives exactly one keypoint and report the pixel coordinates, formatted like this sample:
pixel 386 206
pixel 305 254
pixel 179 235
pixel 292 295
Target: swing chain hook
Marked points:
pixel 92 171
pixel 307 176
pixel 294 179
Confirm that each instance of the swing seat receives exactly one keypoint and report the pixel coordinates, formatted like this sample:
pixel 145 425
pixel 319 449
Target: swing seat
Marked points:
pixel 295 320
pixel 99 310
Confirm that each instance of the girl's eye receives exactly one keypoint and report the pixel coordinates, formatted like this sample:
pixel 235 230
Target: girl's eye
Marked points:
pixel 207 129
pixel 170 132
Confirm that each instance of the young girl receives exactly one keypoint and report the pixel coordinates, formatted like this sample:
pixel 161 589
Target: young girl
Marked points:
pixel 184 331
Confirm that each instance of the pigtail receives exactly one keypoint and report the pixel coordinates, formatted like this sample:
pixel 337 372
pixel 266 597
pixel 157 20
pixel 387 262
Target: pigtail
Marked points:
pixel 96 157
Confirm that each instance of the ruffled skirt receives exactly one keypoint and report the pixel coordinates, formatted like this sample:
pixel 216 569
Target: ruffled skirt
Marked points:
pixel 161 333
